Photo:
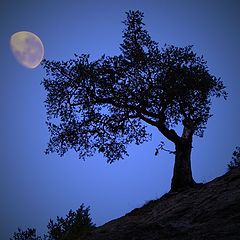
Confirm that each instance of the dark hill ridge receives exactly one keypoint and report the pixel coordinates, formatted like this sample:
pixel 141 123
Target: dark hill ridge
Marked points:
pixel 210 211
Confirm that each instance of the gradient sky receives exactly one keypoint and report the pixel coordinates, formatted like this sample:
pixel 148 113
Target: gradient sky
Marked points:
pixel 35 187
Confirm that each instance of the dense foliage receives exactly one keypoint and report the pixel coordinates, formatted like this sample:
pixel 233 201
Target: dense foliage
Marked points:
pixel 104 105
pixel 75 224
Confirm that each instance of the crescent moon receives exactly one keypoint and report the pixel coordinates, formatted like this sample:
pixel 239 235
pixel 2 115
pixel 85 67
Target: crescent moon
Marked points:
pixel 27 48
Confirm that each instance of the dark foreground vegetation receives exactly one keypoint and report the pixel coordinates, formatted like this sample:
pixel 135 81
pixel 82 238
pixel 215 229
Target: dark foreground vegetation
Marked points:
pixel 75 224
pixel 235 162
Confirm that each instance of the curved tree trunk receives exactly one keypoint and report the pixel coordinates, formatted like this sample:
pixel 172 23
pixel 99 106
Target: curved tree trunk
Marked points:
pixel 182 175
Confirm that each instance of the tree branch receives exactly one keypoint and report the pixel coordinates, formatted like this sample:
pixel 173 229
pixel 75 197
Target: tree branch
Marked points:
pixel 170 134
pixel 126 106
pixel 147 120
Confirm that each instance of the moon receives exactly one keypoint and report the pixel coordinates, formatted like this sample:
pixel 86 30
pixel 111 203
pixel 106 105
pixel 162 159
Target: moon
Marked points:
pixel 27 48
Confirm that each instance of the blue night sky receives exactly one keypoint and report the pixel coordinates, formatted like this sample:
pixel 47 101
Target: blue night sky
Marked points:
pixel 36 187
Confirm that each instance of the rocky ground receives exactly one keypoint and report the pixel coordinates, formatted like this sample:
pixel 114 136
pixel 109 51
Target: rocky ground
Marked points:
pixel 210 211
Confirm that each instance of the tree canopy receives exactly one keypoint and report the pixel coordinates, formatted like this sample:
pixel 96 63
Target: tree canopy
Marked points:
pixel 106 104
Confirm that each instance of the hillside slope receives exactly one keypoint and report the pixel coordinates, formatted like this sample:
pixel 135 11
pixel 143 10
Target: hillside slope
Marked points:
pixel 210 211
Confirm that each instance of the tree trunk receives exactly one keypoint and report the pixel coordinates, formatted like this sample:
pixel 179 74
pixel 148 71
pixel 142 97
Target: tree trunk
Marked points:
pixel 182 175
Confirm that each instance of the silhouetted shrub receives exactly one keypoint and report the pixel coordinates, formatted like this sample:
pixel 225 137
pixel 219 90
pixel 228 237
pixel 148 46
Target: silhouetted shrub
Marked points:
pixel 29 234
pixel 235 159
pixel 76 224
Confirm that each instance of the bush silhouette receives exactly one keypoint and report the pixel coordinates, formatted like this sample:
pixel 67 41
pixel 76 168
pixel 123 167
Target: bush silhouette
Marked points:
pixel 76 224
pixel 29 234
pixel 235 159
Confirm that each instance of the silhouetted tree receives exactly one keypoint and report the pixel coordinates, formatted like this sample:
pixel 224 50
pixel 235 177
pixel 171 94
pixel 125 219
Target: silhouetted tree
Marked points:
pixel 29 234
pixel 103 105
pixel 76 224
pixel 235 159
